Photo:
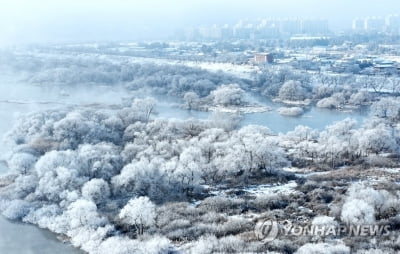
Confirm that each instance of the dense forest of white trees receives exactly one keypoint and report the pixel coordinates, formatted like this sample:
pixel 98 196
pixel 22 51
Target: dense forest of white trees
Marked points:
pixel 94 175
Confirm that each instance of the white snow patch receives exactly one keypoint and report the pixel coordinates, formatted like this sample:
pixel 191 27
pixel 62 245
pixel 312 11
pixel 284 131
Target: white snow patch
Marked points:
pixel 391 170
pixel 257 190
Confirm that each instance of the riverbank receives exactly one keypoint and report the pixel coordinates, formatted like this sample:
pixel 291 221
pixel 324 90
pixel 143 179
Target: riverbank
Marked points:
pixel 248 109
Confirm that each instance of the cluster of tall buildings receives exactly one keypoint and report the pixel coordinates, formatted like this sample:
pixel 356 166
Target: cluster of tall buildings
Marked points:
pixel 288 27
pixel 265 28
pixel 377 24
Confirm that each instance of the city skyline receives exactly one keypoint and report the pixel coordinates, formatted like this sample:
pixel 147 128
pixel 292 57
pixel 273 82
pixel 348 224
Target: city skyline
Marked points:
pixel 34 21
pixel 264 28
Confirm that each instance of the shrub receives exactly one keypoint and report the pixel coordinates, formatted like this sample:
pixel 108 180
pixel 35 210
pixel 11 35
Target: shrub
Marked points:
pixel 290 111
pixel 323 248
pixel 17 209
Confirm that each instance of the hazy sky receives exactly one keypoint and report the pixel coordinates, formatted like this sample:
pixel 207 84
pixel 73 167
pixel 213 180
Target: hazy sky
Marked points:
pixel 26 21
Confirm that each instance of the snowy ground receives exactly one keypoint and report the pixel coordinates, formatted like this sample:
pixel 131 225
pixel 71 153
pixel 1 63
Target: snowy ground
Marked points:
pixel 243 109
pixel 242 70
pixel 256 190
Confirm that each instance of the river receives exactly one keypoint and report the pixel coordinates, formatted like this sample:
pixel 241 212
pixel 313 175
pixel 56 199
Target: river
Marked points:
pixel 22 238
pixel 18 98
pixel 313 117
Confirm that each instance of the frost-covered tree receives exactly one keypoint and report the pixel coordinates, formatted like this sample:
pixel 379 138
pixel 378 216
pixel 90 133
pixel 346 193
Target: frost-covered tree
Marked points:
pixel 83 213
pixel 17 209
pixel 139 212
pixel 337 140
pixel 71 130
pixel 22 162
pixel 377 140
pixel 224 121
pixel 356 211
pixel 59 172
pixel 101 160
pixel 189 167
pixel 360 98
pixel 388 108
pixel 96 190
pixel 322 91
pixel 228 95
pixel 144 107
pixel 382 201
pixel 362 204
pixel 191 100
pixel 337 100
pixel 290 111
pixel 146 178
pixel 292 90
